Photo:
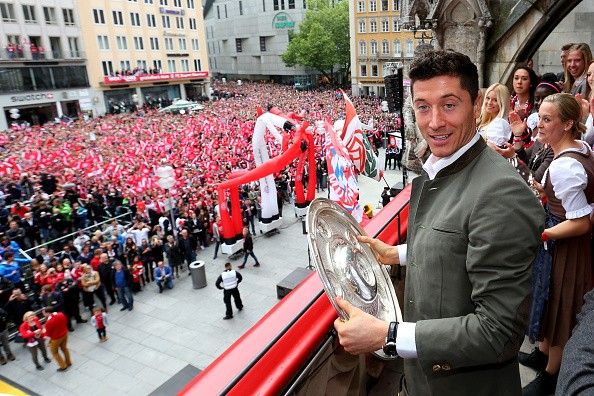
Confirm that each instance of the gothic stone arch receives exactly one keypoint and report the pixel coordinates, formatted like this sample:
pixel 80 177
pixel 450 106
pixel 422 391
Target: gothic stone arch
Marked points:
pixel 521 26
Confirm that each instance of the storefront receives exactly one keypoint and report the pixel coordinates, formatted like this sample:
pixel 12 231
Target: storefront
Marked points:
pixel 38 108
pixel 124 93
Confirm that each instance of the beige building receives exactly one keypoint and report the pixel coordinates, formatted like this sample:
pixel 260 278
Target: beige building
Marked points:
pixel 144 51
pixel 42 62
pixel 378 42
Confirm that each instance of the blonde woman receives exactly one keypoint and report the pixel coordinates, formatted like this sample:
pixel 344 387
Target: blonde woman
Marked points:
pixel 578 58
pixel 568 185
pixel 33 332
pixel 492 123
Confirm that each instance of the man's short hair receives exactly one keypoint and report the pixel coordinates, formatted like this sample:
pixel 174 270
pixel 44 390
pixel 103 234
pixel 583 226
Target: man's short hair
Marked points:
pixel 567 46
pixel 227 265
pixel 446 63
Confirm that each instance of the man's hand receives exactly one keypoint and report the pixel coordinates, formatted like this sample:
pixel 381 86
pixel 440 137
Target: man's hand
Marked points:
pixel 361 333
pixel 386 254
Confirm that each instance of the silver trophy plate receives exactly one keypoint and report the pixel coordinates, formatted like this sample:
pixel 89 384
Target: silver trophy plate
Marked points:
pixel 348 268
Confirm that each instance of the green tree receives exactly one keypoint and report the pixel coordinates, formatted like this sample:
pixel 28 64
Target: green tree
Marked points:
pixel 322 42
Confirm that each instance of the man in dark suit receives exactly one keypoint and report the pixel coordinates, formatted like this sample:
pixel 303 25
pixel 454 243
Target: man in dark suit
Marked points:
pixel 468 264
pixel 248 248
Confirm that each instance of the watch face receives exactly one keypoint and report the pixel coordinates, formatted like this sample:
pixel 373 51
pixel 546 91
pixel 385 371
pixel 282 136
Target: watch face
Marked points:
pixel 390 349
pixel 347 267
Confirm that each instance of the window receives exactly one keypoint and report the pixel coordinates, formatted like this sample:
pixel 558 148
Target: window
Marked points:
pixel 385 25
pixel 190 4
pixel 385 47
pixel 157 65
pixel 409 48
pixel 138 44
pixel 49 13
pixel 185 65
pixel 395 5
pixel 363 71
pixel 238 47
pixel 171 65
pixel 373 47
pixel 135 19
pixel 107 68
pixel 141 64
pixel 362 48
pixel 122 42
pixel 263 5
pixel 197 66
pixel 396 25
pixel 182 44
pixel 73 47
pixel 240 8
pixel 373 70
pixel 7 11
pixel 195 45
pixel 118 17
pixel 262 44
pixel 150 20
pixel 154 43
pixel 148 1
pixel 98 16
pixel 168 43
pixel 68 15
pixel 163 2
pixel 361 6
pixel 103 42
pixel 226 15
pixel 124 65
pixel 177 3
pixel 397 50
pixel 362 26
pixel 372 5
pixel 373 26
pixel 304 4
pixel 179 21
pixel 166 22
pixel 384 5
pixel 218 13
pixel 275 5
pixel 282 3
pixel 56 47
pixel 29 13
pixel 192 23
pixel 291 4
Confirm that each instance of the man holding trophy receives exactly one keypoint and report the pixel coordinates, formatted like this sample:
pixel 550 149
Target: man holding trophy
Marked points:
pixel 473 231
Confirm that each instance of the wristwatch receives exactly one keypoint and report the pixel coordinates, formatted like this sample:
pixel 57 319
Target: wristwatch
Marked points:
pixel 389 347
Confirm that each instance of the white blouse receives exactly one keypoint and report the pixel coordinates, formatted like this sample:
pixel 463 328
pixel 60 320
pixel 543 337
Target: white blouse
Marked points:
pixel 569 180
pixel 497 132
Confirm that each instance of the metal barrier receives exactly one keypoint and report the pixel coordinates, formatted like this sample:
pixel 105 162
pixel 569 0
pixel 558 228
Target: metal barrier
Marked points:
pixel 33 249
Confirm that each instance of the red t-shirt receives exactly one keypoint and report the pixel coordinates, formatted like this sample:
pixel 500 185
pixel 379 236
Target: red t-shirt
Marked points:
pixel 99 320
pixel 56 325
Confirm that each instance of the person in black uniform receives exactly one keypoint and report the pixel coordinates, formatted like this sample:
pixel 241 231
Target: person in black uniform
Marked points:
pixel 229 281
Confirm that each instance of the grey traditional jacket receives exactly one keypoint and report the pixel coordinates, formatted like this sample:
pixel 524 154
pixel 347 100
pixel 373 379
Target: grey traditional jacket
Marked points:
pixel 473 233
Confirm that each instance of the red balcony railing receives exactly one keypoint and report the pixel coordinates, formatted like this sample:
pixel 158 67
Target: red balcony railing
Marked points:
pixel 269 357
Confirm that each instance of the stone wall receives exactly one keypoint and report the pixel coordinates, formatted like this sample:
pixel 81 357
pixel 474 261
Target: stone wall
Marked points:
pixel 577 27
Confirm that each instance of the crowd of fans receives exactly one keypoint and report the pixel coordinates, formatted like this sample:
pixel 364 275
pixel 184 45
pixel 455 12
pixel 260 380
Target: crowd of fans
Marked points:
pixel 60 182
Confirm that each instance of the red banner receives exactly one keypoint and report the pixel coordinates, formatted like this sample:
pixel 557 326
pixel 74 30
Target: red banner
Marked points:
pixel 108 80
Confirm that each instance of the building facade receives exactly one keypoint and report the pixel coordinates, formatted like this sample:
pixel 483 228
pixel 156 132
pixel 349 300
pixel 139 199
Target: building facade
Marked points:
pixel 246 38
pixel 144 51
pixel 379 42
pixel 42 62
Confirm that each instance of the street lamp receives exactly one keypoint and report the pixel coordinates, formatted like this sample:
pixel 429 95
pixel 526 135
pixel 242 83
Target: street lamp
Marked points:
pixel 166 181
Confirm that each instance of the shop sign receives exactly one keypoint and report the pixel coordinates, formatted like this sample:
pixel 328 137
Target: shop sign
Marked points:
pixel 108 80
pixel 32 97
pixel 164 10
pixel 282 20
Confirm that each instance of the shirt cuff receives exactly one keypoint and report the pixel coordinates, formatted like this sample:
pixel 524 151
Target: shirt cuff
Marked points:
pixel 402 249
pixel 576 214
pixel 406 346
